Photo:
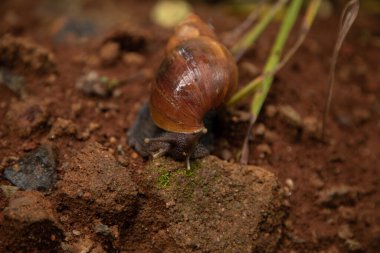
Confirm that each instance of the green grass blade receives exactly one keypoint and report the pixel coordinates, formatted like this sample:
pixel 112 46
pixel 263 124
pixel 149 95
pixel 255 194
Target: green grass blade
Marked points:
pixel 250 37
pixel 274 58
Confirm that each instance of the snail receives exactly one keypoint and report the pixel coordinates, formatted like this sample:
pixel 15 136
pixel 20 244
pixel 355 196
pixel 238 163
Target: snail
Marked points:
pixel 197 75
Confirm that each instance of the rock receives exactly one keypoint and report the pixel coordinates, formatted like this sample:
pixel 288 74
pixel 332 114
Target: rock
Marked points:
pixel 345 232
pixel 259 130
pixel 270 111
pixel 218 206
pixel 134 59
pixel 34 171
pixel 21 52
pixel 263 150
pixel 338 195
pixel 312 127
pixel 62 127
pixel 8 190
pixel 90 84
pixel 290 115
pixel 30 224
pixel 354 245
pixel 95 182
pixel 26 117
pixel 109 53
pixel 102 229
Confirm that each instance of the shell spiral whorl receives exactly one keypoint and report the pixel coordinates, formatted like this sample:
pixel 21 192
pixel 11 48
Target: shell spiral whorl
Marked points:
pixel 197 75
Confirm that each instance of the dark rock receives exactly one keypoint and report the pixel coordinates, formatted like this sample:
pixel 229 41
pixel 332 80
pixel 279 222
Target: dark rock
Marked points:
pixel 34 171
pixel 215 206
pixel 29 224
pixel 95 183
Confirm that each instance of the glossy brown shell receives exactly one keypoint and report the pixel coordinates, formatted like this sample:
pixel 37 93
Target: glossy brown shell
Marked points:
pixel 197 75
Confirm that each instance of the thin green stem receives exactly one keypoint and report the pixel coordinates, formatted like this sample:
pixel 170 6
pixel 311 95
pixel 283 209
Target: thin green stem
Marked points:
pixel 254 84
pixel 274 58
pixel 250 37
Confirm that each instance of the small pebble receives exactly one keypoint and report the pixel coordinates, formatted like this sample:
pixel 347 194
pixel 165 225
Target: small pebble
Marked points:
pixel 263 150
pixel 289 182
pixel 112 140
pixel 312 127
pixel 109 53
pixel 259 130
pixel 170 203
pixel 93 126
pixel 353 245
pixel 133 58
pixel 290 115
pixel 134 155
pixel 76 232
pixel 270 111
pixel 102 229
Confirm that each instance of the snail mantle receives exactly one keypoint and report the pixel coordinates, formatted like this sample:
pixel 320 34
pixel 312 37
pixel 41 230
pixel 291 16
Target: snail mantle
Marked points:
pixel 215 206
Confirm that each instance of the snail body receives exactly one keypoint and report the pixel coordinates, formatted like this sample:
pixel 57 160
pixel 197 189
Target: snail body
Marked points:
pixel 197 75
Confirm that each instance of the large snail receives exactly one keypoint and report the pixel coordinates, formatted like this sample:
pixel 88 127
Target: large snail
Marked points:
pixel 197 75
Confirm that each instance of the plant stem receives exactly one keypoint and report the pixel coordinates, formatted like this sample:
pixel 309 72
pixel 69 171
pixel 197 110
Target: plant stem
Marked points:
pixel 250 37
pixel 254 84
pixel 289 20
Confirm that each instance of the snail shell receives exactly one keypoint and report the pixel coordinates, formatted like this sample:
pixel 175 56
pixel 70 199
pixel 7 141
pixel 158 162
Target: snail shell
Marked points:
pixel 197 75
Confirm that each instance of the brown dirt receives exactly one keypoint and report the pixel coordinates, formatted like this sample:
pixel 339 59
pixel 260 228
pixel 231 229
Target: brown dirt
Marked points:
pixel 335 201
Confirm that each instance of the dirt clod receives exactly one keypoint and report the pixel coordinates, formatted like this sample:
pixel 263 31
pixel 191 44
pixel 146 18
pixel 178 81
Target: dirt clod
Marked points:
pixel 30 224
pixel 26 117
pixel 94 176
pixel 16 52
pixel 241 203
pixel 62 127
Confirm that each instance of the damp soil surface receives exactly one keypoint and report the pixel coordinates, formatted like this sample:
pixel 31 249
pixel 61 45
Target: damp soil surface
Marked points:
pixel 73 77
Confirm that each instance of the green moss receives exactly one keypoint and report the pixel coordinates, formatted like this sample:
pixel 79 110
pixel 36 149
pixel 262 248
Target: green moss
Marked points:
pixel 164 179
pixel 165 175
